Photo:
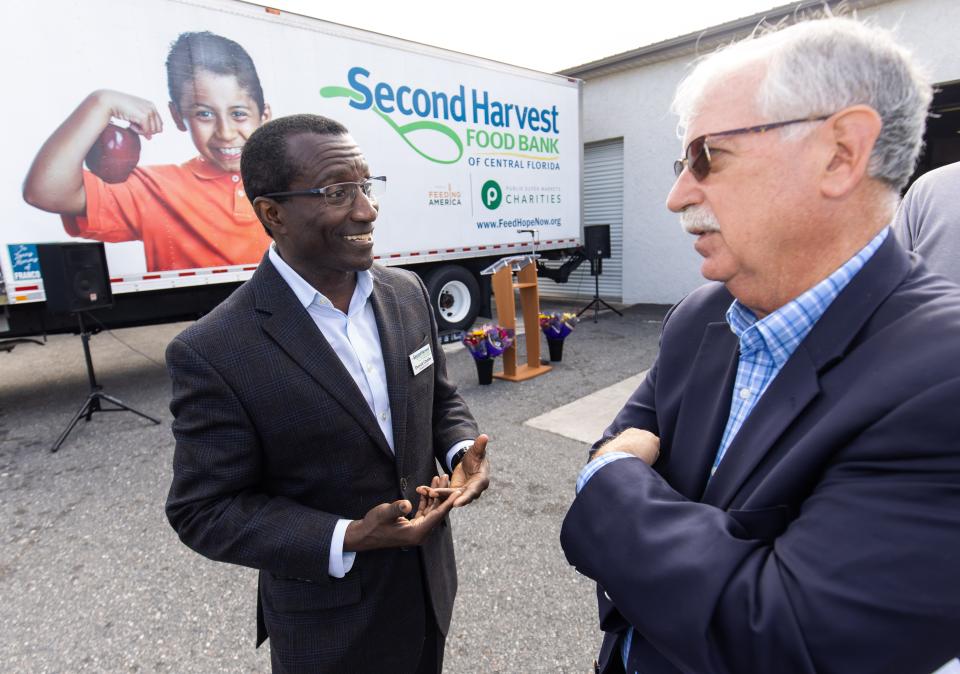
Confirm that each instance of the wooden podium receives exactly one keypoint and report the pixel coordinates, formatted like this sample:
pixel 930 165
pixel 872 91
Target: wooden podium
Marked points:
pixel 504 285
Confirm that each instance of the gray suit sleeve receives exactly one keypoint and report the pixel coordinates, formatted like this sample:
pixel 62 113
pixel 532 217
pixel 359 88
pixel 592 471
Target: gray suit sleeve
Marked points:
pixel 906 223
pixel 218 503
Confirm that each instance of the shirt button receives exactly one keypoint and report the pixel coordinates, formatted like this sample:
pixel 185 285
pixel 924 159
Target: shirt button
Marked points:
pixel 383 416
pixel 744 393
pixel 235 179
pixel 369 368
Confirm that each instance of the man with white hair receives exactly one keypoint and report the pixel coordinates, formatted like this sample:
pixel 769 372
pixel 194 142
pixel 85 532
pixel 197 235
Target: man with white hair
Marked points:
pixel 782 493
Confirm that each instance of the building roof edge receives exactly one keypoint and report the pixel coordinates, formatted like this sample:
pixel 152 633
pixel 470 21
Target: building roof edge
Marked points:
pixel 702 41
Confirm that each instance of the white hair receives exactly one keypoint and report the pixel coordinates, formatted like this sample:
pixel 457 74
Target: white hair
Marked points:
pixel 818 67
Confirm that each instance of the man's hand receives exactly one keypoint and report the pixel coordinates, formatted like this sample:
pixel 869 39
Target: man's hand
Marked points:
pixel 642 444
pixel 385 525
pixel 472 474
pixel 470 478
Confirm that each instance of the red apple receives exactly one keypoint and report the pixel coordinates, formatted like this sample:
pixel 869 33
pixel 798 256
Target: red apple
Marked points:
pixel 115 154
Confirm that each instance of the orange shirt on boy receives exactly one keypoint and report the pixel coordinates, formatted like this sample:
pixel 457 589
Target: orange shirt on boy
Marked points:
pixel 188 216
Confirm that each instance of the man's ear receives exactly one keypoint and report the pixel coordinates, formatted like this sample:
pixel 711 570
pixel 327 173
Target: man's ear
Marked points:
pixel 177 117
pixel 267 114
pixel 270 214
pixel 851 133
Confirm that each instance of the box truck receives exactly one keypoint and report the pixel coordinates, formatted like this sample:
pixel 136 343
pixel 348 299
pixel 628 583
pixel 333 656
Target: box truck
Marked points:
pixel 125 124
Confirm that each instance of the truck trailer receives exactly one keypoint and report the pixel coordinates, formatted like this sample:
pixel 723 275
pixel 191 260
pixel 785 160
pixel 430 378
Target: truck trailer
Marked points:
pixel 137 117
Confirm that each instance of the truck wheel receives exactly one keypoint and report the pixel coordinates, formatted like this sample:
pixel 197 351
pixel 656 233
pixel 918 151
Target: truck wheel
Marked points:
pixel 454 296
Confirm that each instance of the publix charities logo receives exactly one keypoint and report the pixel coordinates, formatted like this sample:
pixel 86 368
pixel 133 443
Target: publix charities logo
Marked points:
pixel 425 118
pixel 491 195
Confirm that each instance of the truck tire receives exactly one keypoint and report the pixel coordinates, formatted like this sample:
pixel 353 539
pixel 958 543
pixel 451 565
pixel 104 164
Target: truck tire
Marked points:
pixel 454 296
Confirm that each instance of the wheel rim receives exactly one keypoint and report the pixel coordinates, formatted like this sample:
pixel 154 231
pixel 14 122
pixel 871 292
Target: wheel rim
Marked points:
pixel 453 301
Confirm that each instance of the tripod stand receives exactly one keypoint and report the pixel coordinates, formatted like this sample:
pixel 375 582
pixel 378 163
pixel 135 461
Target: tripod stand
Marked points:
pixel 596 268
pixel 92 403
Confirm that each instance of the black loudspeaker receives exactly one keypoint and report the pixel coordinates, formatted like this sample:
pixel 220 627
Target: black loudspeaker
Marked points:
pixel 75 276
pixel 596 241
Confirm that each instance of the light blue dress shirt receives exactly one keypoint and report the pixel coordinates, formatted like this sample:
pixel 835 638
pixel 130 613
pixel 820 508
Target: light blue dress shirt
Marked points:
pixel 767 344
pixel 354 338
pixel 765 347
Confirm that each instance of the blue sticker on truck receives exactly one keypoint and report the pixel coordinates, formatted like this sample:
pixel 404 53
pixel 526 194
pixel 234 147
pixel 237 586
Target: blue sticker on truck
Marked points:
pixel 24 261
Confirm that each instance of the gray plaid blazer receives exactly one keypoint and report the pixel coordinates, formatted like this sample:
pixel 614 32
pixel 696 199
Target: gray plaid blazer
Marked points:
pixel 275 443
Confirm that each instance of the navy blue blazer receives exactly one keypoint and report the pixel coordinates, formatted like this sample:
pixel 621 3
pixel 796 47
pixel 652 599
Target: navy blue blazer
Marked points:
pixel 829 538
pixel 275 443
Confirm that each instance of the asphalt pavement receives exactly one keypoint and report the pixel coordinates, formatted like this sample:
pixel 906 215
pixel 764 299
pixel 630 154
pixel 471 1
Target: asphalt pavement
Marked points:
pixel 93 579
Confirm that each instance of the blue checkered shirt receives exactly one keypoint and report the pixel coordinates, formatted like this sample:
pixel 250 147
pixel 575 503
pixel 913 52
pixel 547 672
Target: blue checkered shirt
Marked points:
pixel 765 346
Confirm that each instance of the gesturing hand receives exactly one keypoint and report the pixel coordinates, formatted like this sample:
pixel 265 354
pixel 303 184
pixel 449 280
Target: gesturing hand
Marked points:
pixel 472 474
pixel 385 525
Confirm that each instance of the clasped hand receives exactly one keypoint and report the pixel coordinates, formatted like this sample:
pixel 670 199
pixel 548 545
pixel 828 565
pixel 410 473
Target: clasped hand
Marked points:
pixel 642 444
pixel 386 525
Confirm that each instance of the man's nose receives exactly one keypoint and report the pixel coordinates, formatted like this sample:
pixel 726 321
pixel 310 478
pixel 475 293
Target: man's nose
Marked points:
pixel 685 192
pixel 365 208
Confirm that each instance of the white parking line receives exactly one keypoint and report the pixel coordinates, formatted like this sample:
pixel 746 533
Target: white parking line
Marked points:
pixel 586 418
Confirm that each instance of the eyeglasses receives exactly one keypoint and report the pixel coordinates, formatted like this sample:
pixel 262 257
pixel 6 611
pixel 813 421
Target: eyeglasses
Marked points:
pixel 340 194
pixel 697 156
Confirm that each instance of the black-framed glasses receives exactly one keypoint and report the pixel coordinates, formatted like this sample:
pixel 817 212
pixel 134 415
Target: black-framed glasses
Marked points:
pixel 697 155
pixel 340 194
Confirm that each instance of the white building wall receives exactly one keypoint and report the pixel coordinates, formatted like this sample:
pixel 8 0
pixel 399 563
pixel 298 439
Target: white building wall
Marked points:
pixel 659 263
pixel 928 28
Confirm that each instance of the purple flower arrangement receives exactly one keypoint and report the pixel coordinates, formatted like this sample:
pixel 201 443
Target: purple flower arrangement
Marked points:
pixel 488 341
pixel 557 325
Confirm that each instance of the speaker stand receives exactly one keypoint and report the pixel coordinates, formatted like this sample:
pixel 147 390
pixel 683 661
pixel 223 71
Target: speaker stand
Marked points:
pixel 92 403
pixel 596 268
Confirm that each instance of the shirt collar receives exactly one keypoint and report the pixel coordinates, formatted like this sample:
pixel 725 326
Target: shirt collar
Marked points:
pixel 307 295
pixel 204 170
pixel 780 332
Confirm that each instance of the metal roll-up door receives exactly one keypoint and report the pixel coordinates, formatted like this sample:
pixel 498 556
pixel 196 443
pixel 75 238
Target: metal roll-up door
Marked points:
pixel 602 205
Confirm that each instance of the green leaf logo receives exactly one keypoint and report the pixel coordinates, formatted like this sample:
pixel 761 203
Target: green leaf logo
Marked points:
pixel 406 129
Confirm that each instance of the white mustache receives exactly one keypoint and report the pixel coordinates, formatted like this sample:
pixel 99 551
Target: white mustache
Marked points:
pixel 698 220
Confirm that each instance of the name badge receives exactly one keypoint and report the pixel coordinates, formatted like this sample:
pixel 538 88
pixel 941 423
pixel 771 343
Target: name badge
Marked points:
pixel 421 359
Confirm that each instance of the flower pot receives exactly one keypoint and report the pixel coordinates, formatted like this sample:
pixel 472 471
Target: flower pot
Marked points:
pixel 484 370
pixel 556 349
